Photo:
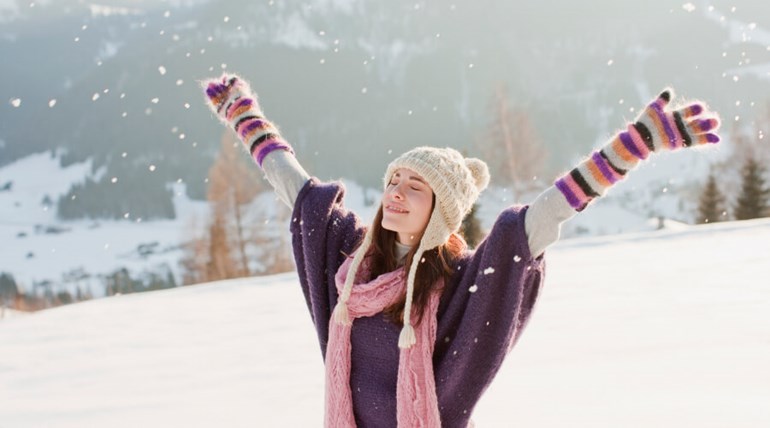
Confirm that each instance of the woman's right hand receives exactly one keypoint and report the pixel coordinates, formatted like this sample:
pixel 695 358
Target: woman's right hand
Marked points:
pixel 232 100
pixel 222 92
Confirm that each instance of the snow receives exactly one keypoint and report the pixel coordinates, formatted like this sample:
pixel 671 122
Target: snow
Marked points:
pixel 98 247
pixel 297 34
pixel 9 10
pixel 668 328
pixel 99 10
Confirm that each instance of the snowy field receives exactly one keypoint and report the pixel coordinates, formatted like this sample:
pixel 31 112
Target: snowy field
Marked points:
pixel 664 329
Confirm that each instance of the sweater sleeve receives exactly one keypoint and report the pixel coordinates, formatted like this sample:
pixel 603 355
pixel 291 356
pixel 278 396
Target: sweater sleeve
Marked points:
pixel 544 219
pixel 285 174
pixel 484 309
pixel 323 233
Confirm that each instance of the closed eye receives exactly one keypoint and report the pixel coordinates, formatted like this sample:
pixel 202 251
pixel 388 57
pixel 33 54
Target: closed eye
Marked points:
pixel 412 187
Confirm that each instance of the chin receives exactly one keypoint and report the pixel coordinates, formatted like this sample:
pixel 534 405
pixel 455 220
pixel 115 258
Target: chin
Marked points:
pixel 387 226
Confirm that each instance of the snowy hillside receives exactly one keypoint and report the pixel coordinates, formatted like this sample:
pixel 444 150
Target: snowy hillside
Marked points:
pixel 664 329
pixel 39 247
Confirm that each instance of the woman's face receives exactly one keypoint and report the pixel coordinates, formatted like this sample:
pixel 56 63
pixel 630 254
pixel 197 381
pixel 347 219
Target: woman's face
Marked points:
pixel 406 205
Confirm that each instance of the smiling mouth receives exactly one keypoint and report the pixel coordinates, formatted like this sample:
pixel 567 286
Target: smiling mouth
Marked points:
pixel 395 210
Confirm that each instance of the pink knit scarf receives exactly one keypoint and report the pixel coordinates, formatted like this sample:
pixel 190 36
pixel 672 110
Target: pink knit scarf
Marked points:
pixel 416 401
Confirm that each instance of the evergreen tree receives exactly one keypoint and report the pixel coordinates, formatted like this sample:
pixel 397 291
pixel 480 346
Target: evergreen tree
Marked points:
pixel 471 228
pixel 711 205
pixel 8 289
pixel 754 199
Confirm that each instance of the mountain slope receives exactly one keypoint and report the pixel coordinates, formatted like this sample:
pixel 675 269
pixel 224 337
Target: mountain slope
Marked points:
pixel 651 329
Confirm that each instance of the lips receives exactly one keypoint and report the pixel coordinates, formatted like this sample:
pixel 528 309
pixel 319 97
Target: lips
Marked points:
pixel 396 209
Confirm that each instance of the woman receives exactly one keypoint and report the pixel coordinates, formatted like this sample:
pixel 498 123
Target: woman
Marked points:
pixel 412 325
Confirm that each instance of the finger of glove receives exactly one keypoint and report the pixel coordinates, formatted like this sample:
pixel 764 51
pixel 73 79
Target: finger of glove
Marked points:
pixel 663 99
pixel 220 91
pixel 701 126
pixel 707 139
pixel 691 110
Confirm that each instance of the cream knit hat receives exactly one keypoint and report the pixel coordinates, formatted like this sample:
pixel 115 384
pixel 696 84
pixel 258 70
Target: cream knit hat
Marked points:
pixel 457 183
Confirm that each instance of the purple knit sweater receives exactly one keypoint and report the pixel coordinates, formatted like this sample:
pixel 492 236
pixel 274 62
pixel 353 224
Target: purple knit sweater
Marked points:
pixel 477 326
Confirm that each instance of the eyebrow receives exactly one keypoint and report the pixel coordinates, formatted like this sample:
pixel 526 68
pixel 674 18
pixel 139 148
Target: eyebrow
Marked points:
pixel 413 177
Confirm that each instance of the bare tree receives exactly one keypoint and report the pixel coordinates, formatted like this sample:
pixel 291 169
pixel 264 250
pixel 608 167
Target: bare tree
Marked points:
pixel 234 235
pixel 511 146
pixel 194 254
pixel 232 186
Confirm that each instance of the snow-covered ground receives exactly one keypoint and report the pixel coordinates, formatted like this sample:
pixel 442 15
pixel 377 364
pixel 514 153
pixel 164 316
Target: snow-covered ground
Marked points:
pixel 663 329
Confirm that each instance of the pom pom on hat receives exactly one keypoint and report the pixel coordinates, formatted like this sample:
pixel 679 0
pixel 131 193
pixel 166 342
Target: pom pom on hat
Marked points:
pixel 479 171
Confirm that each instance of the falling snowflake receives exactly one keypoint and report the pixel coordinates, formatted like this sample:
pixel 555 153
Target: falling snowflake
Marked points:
pixel 162 70
pixel 95 96
pixel 16 102
pixel 152 168
pixel 516 258
pixel 489 270
pixel 155 100
pixel 689 7
pixel 473 288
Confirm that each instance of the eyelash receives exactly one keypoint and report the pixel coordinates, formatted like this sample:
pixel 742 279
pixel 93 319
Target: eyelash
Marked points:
pixel 413 188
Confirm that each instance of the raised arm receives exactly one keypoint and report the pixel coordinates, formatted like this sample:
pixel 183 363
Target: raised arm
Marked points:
pixel 657 128
pixel 232 100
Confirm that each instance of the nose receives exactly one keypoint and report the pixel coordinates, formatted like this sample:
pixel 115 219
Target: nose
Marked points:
pixel 395 192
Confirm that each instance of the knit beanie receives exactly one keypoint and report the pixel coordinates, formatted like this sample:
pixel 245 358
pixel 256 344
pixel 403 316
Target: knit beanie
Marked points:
pixel 456 182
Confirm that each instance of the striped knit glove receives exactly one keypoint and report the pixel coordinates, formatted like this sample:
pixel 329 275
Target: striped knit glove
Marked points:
pixel 656 128
pixel 236 106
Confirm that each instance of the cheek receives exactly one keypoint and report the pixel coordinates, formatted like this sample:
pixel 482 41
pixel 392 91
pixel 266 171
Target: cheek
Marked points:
pixel 425 205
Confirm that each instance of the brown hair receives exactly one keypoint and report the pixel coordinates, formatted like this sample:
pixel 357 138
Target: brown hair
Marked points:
pixel 438 262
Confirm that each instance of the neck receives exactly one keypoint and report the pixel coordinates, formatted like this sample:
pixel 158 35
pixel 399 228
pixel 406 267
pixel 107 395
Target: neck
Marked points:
pixel 409 239
pixel 401 251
